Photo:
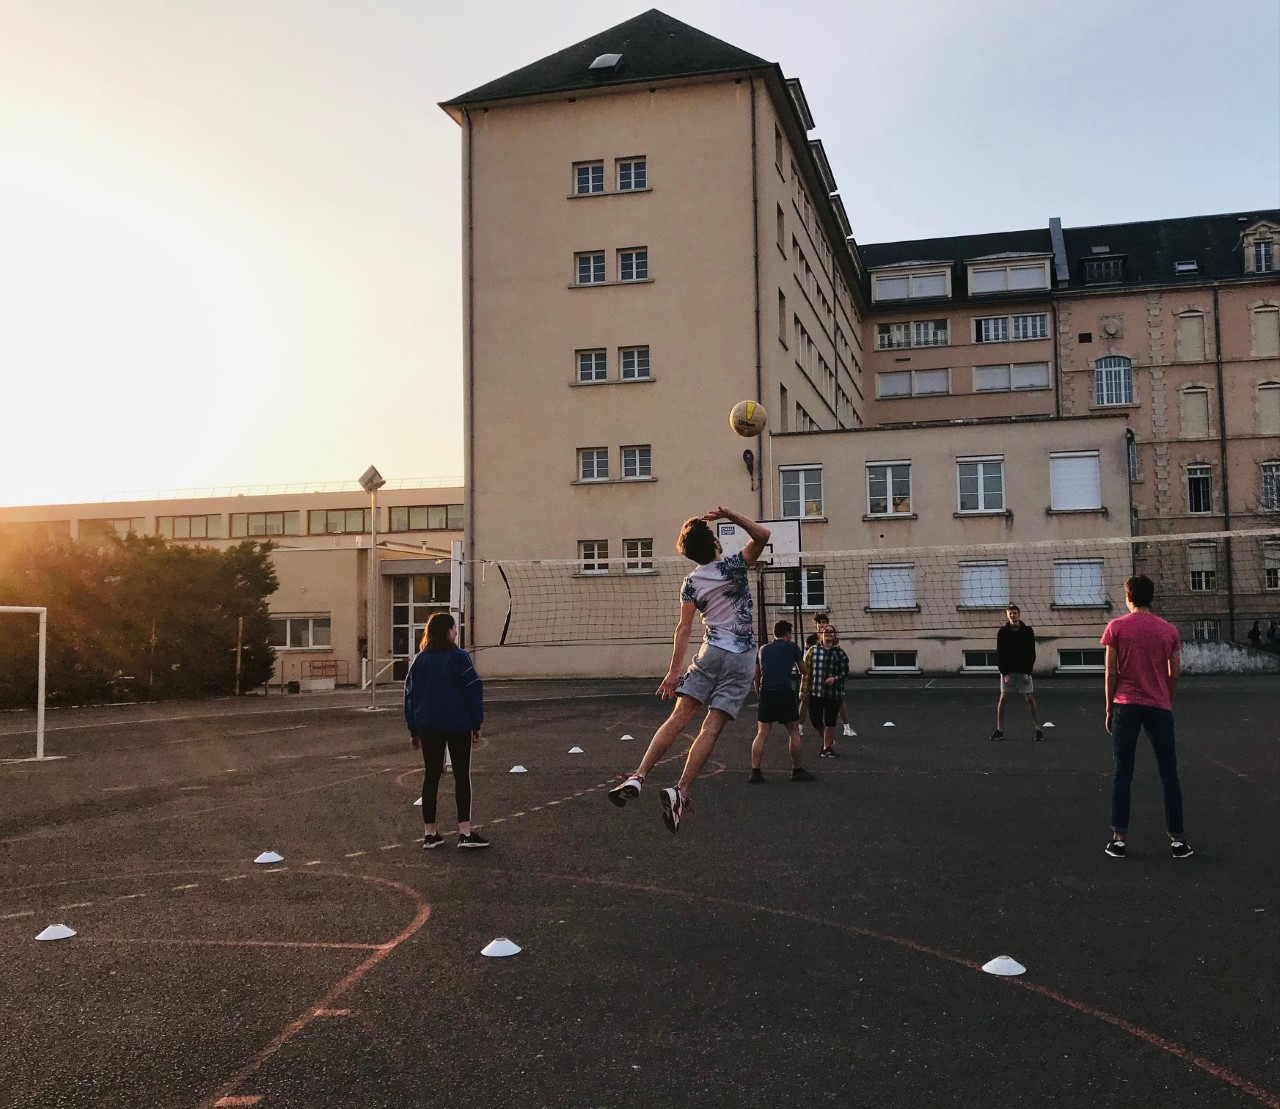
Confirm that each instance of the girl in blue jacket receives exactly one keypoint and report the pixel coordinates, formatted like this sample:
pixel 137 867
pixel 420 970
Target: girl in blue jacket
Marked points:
pixel 444 707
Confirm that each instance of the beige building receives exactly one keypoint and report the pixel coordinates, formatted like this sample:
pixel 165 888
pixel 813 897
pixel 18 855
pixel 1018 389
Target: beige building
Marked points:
pixel 322 542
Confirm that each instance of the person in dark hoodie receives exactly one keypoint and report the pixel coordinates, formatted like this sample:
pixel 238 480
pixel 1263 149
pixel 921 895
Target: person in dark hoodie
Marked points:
pixel 1016 658
pixel 444 707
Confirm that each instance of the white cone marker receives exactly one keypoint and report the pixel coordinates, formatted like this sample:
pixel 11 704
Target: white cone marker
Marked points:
pixel 269 857
pixel 517 769
pixel 500 948
pixel 628 738
pixel 56 932
pixel 1005 965
pixel 576 751
pixel 889 724
pixel 418 802
pixel 1046 724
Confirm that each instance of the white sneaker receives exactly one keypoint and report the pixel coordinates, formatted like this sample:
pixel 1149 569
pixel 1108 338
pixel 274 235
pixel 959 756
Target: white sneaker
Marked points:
pixel 848 730
pixel 628 791
pixel 800 729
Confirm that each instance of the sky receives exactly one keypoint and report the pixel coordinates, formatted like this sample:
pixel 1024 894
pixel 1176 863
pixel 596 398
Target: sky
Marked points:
pixel 230 235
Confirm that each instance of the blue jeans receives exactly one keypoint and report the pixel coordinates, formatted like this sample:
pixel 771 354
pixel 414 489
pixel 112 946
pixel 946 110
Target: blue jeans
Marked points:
pixel 1126 722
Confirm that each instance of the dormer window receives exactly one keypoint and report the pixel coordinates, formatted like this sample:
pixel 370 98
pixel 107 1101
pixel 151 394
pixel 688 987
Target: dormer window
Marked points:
pixel 1261 244
pixel 910 286
pixel 1100 271
pixel 1264 256
pixel 1183 268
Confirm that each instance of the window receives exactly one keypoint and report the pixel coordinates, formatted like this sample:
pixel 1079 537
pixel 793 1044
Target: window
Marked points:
pixel 590 268
pixel 636 463
pixel 781 221
pixel 1189 344
pixel 338 521
pixel 910 286
pixel 920 333
pixel 415 598
pixel 930 333
pixel 913 383
pixel 1112 381
pixel 991 329
pixel 782 317
pixel 1202 565
pixel 812 582
pixel 1270 491
pixel 588 177
pixel 1000 279
pixel 426 517
pixel 1019 375
pixel 1077 583
pixel 592 366
pixel 1074 482
pixel 981 660
pixel 593 556
pixel 981 482
pixel 633 173
pixel 889 489
pixel 265 523
pixel 1034 326
pixel 299 633
pixel 1091 658
pixel 1264 325
pixel 984 584
pixel 801 492
pixel 893 336
pixel 894 660
pixel 593 464
pixel 1195 413
pixel 1206 631
pixel 1271 566
pixel 1199 489
pixel 891 586
pixel 639 555
pixel 633 265
pixel 189 527
pixel 1098 271
pixel 1182 268
pixel 119 526
pixel 1263 257
pixel 635 363
pixel 1268 404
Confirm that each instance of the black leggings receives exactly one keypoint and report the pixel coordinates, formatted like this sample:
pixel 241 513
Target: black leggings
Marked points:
pixel 433 745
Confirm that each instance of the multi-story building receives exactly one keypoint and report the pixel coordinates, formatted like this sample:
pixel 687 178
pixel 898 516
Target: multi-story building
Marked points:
pixel 321 540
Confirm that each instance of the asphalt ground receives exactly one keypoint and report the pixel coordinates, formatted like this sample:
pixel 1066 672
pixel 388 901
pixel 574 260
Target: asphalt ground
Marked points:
pixel 794 945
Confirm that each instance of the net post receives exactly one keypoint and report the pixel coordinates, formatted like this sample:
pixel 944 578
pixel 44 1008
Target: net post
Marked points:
pixel 40 686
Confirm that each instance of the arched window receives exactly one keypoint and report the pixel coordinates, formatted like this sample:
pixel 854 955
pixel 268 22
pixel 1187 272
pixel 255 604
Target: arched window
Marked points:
pixel 1112 381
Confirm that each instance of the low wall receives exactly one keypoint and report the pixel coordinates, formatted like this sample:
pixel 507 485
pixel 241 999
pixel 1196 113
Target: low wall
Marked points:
pixel 1227 658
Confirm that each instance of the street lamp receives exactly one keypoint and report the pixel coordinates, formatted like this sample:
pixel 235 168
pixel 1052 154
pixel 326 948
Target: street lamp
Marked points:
pixel 371 481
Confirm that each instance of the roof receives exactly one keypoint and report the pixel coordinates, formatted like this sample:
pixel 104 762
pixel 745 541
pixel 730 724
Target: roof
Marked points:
pixel 653 47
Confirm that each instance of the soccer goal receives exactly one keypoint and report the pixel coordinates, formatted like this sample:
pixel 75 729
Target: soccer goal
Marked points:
pixel 43 613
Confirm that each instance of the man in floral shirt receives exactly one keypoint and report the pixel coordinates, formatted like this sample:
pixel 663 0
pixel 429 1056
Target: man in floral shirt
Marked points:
pixel 721 675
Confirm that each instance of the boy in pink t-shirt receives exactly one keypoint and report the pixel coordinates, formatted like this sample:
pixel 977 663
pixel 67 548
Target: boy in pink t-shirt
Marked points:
pixel 1142 675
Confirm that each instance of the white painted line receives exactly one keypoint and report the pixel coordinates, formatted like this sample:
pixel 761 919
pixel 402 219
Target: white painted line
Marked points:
pixel 192 886
pixel 235 878
pixel 117 789
pixel 550 803
pixel 355 854
pixel 191 789
pixel 76 905
pixel 129 896
pixel 332 1013
pixel 499 820
pixel 17 916
pixel 389 847
pixel 314 862
pixel 276 870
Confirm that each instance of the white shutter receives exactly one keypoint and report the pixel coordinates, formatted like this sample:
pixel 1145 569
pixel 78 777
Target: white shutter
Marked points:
pixel 891 288
pixel 1031 375
pixel 1195 414
pixel 984 584
pixel 1269 409
pixel 1078 581
pixel 1190 340
pixel 1202 558
pixel 1027 277
pixel 896 384
pixel 1074 482
pixel 990 379
pixel 1265 328
pixel 988 281
pixel 892 586
pixel 929 285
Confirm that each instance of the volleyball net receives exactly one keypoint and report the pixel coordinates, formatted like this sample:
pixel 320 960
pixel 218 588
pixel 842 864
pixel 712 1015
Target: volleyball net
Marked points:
pixel 1212 585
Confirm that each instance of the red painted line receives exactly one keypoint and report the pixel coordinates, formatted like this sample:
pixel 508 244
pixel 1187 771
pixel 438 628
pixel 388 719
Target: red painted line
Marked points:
pixel 243 1099
pixel 295 1026
pixel 300 944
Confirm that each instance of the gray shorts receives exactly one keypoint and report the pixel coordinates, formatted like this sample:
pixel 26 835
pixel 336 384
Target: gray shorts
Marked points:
pixel 1016 683
pixel 719 679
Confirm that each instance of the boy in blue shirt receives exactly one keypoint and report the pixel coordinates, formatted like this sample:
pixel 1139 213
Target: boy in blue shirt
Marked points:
pixel 777 705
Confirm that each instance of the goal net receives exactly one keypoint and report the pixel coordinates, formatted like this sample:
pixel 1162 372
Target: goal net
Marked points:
pixel 1212 585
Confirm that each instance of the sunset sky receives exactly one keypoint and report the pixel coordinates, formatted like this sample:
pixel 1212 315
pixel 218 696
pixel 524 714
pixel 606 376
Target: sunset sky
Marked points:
pixel 230 244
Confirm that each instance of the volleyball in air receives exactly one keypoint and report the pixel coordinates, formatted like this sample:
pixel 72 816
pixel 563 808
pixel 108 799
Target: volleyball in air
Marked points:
pixel 748 418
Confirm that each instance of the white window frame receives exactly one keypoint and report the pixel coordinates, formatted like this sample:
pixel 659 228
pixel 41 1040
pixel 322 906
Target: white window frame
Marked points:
pixel 930 333
pixel 1202 572
pixel 1264 256
pixel 629 165
pixel 596 456
pixel 594 261
pixel 974 590
pixel 1271 566
pixel 1206 630
pixel 804 487
pixel 967 667
pixel 1064 458
pixel 639 556
pixel 813 588
pixel 991 329
pixel 593 556
pixel 896 666
pixel 1112 381
pixel 890 497
pixel 1082 667
pixel 894 336
pixel 1035 325
pixel 1269 485
pixel 985 466
pixel 639 369
pixel 902 587
pixel 912 279
pixel 312 624
pixel 1202 475
pixel 636 260
pixel 1070 594
pixel 637 462
pixel 594 178
pixel 1009 269
pixel 596 370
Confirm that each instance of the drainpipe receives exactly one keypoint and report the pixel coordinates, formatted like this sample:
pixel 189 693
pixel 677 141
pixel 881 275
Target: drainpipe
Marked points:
pixel 1062 273
pixel 1222 456
pixel 755 253
pixel 468 597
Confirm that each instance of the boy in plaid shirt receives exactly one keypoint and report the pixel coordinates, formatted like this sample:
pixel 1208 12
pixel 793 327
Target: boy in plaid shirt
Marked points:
pixel 828 668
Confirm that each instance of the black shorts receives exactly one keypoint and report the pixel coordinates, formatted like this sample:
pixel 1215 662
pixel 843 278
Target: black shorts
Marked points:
pixel 778 706
pixel 823 712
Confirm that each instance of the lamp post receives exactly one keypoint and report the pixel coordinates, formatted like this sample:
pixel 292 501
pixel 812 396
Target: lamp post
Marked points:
pixel 371 481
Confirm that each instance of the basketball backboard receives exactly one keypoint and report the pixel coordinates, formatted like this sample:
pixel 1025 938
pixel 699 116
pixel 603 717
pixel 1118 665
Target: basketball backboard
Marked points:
pixel 784 541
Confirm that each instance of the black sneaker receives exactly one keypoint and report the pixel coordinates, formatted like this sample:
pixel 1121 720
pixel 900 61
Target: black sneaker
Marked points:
pixel 828 753
pixel 997 734
pixel 429 841
pixel 1115 848
pixel 1039 735
pixel 800 774
pixel 628 791
pixel 1180 849
pixel 756 777
pixel 475 839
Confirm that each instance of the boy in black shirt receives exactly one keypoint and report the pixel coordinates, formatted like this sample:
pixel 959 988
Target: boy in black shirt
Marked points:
pixel 774 664
pixel 1016 657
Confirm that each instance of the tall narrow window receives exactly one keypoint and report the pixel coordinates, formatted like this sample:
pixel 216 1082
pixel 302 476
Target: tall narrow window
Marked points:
pixel 1271 566
pixel 782 230
pixel 784 411
pixel 1199 489
pixel 782 317
pixel 1190 341
pixel 1264 326
pixel 1270 491
pixel 1113 381
pixel 1268 403
pixel 1202 565
pixel 1195 413
pixel 1263 257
